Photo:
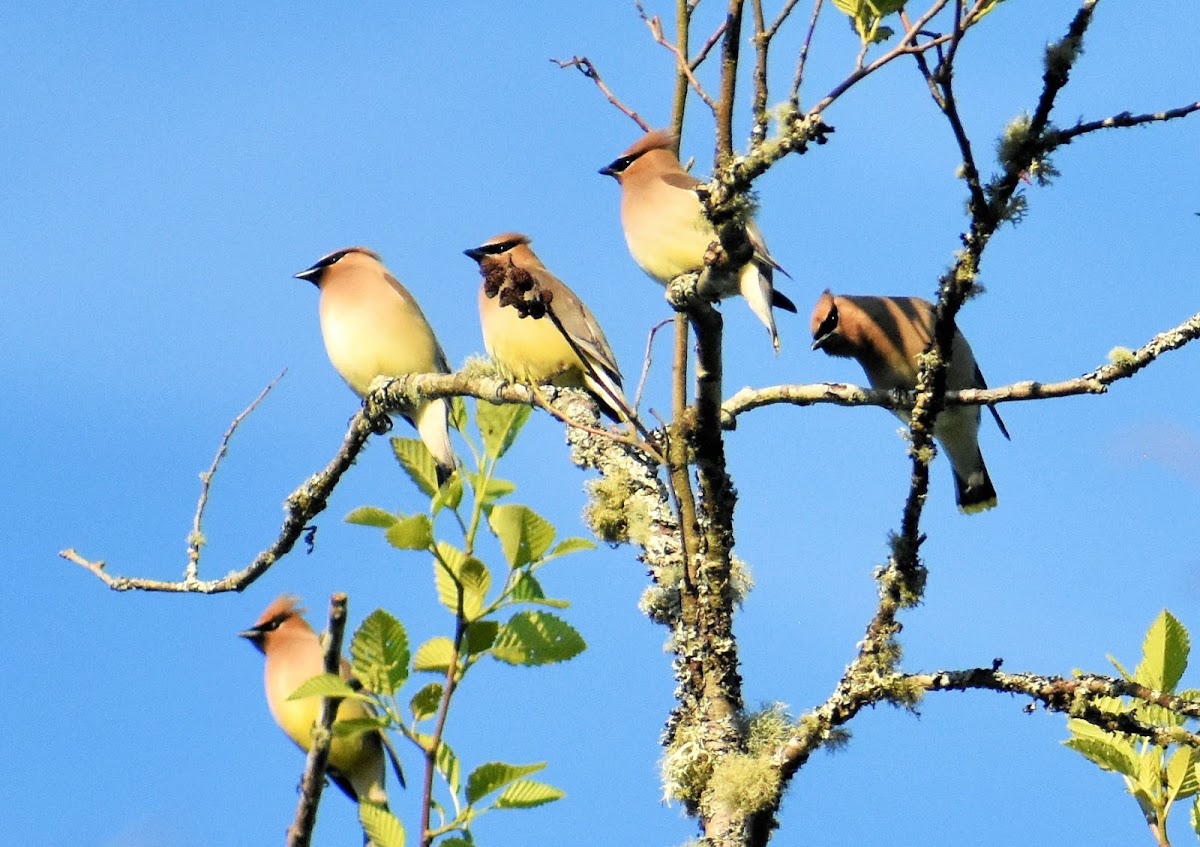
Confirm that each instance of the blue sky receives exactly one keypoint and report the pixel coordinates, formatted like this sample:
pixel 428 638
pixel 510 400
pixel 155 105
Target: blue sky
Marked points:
pixel 166 171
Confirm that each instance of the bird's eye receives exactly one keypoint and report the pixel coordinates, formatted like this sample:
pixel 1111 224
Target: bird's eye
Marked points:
pixel 829 324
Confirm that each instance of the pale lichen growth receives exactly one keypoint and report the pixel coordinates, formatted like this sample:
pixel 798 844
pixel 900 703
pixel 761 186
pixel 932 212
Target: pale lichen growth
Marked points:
pixel 1120 356
pixel 686 765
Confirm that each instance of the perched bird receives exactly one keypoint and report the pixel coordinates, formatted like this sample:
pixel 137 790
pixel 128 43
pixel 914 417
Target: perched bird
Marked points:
pixel 886 335
pixel 668 233
pixel 294 655
pixel 537 330
pixel 373 327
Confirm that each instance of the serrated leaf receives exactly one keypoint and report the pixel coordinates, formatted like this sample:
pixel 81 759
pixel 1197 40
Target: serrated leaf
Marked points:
pixel 492 490
pixel 480 636
pixel 424 704
pixel 537 638
pixel 417 461
pixel 447 765
pixel 1196 817
pixel 380 653
pixel 1149 778
pixel 449 495
pixel 526 794
pixel 524 534
pixel 574 544
pixel 1164 654
pixel 499 425
pixel 1110 752
pixel 527 589
pixel 1181 774
pixel 458 412
pixel 371 516
pixel 414 532
pixel 434 655
pixel 475 580
pixel 381 826
pixel 326 685
pixel 491 776
pixel 357 726
pixel 455 842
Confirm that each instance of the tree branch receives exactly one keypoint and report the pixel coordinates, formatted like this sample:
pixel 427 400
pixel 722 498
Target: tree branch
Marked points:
pixel 313 781
pixel 311 498
pixel 585 66
pixel 1126 364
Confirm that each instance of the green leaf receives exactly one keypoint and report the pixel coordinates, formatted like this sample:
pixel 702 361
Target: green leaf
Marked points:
pixel 1164 654
pixel 357 726
pixel 537 638
pixel 381 826
pixel 1196 818
pixel 493 490
pixel 499 425
pixel 491 776
pixel 434 655
pixel 455 842
pixel 1181 774
pixel 424 704
pixel 414 532
pixel 447 765
pixel 481 635
pixel 326 685
pixel 524 534
pixel 449 495
pixel 575 544
pixel 1150 774
pixel 380 653
pixel 417 461
pixel 458 413
pixel 1110 752
pixel 475 580
pixel 371 516
pixel 527 589
pixel 526 794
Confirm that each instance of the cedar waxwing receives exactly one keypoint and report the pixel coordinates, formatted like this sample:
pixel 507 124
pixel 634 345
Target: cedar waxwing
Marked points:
pixel 294 656
pixel 668 233
pixel 886 335
pixel 533 349
pixel 373 327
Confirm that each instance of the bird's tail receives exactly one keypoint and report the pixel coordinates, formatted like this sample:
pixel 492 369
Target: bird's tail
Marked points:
pixel 974 492
pixel 433 423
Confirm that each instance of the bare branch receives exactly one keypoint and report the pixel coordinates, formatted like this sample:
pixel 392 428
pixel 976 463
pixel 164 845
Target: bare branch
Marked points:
pixel 196 538
pixel 1093 382
pixel 310 499
pixel 706 48
pixel 681 60
pixel 299 834
pixel 730 51
pixel 588 69
pixel 802 61
pixel 647 358
pixel 1058 137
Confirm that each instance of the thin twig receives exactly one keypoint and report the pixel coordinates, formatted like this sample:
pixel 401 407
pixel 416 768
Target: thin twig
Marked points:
pixel 1058 137
pixel 706 48
pixel 647 359
pixel 310 499
pixel 588 69
pixel 802 61
pixel 196 539
pixel 313 781
pixel 1093 382
pixel 682 63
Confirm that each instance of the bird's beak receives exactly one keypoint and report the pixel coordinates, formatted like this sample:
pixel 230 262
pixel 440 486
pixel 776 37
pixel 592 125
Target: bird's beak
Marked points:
pixel 475 253
pixel 254 636
pixel 818 343
pixel 309 274
pixel 608 170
